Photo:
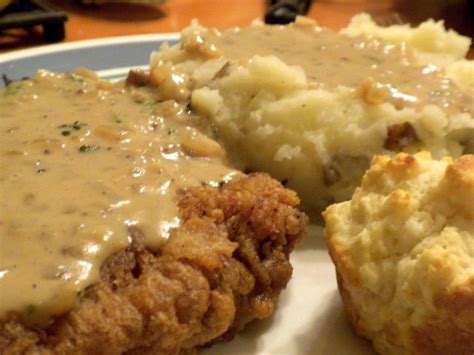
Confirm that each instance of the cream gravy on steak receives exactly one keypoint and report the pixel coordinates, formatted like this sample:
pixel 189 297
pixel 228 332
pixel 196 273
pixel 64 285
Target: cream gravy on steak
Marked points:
pixel 330 59
pixel 81 161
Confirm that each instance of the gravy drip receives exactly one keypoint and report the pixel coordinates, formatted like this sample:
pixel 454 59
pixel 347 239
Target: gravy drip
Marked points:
pixel 330 59
pixel 79 166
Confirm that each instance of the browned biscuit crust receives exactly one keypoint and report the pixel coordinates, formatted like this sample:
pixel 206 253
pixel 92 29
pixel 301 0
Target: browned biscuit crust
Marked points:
pixel 224 267
pixel 431 308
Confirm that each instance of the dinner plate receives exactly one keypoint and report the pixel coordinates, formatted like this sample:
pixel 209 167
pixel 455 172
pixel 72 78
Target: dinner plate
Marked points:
pixel 309 318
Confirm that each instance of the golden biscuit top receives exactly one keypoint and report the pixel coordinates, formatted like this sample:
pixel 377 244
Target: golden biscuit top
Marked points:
pixel 404 244
pixel 451 185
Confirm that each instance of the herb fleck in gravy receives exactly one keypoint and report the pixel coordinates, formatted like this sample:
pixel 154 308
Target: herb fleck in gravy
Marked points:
pixel 82 161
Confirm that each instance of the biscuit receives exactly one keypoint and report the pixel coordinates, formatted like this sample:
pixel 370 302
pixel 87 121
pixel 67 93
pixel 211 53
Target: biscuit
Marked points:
pixel 403 249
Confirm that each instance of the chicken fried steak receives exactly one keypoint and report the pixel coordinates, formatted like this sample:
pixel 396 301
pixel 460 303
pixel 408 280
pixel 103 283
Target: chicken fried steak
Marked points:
pixel 224 267
pixel 123 229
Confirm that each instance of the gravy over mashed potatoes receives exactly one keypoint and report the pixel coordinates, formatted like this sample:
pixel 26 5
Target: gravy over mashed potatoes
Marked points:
pixel 312 106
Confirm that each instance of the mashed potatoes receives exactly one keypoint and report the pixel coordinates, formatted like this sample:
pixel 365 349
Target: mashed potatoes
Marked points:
pixel 312 107
pixel 404 254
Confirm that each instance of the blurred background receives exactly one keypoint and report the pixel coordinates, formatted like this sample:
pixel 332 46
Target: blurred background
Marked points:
pixel 73 20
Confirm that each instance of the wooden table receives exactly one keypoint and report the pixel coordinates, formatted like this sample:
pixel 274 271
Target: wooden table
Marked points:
pixel 87 22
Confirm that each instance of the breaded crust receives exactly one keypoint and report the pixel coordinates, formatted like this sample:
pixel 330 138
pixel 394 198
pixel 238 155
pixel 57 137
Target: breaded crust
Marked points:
pixel 224 267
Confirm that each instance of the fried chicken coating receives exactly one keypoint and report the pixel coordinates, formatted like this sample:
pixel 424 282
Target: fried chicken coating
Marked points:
pixel 224 267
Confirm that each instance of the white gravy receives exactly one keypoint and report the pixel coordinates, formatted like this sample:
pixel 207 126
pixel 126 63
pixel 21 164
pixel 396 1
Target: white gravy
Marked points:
pixel 330 59
pixel 80 162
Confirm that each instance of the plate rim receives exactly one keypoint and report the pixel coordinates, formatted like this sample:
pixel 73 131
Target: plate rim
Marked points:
pixel 88 43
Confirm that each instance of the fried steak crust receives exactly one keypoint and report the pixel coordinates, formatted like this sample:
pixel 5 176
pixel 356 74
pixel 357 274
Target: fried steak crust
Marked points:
pixel 224 267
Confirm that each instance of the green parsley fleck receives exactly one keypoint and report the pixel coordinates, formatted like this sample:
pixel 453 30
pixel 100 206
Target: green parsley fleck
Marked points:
pixel 12 90
pixel 77 125
pixel 31 309
pixel 86 148
pixel 150 105
pixel 76 78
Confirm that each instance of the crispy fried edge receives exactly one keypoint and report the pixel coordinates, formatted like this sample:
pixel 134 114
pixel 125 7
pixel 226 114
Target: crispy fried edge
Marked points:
pixel 224 267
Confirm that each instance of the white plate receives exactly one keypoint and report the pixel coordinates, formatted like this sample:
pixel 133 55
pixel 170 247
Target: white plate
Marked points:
pixel 309 318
